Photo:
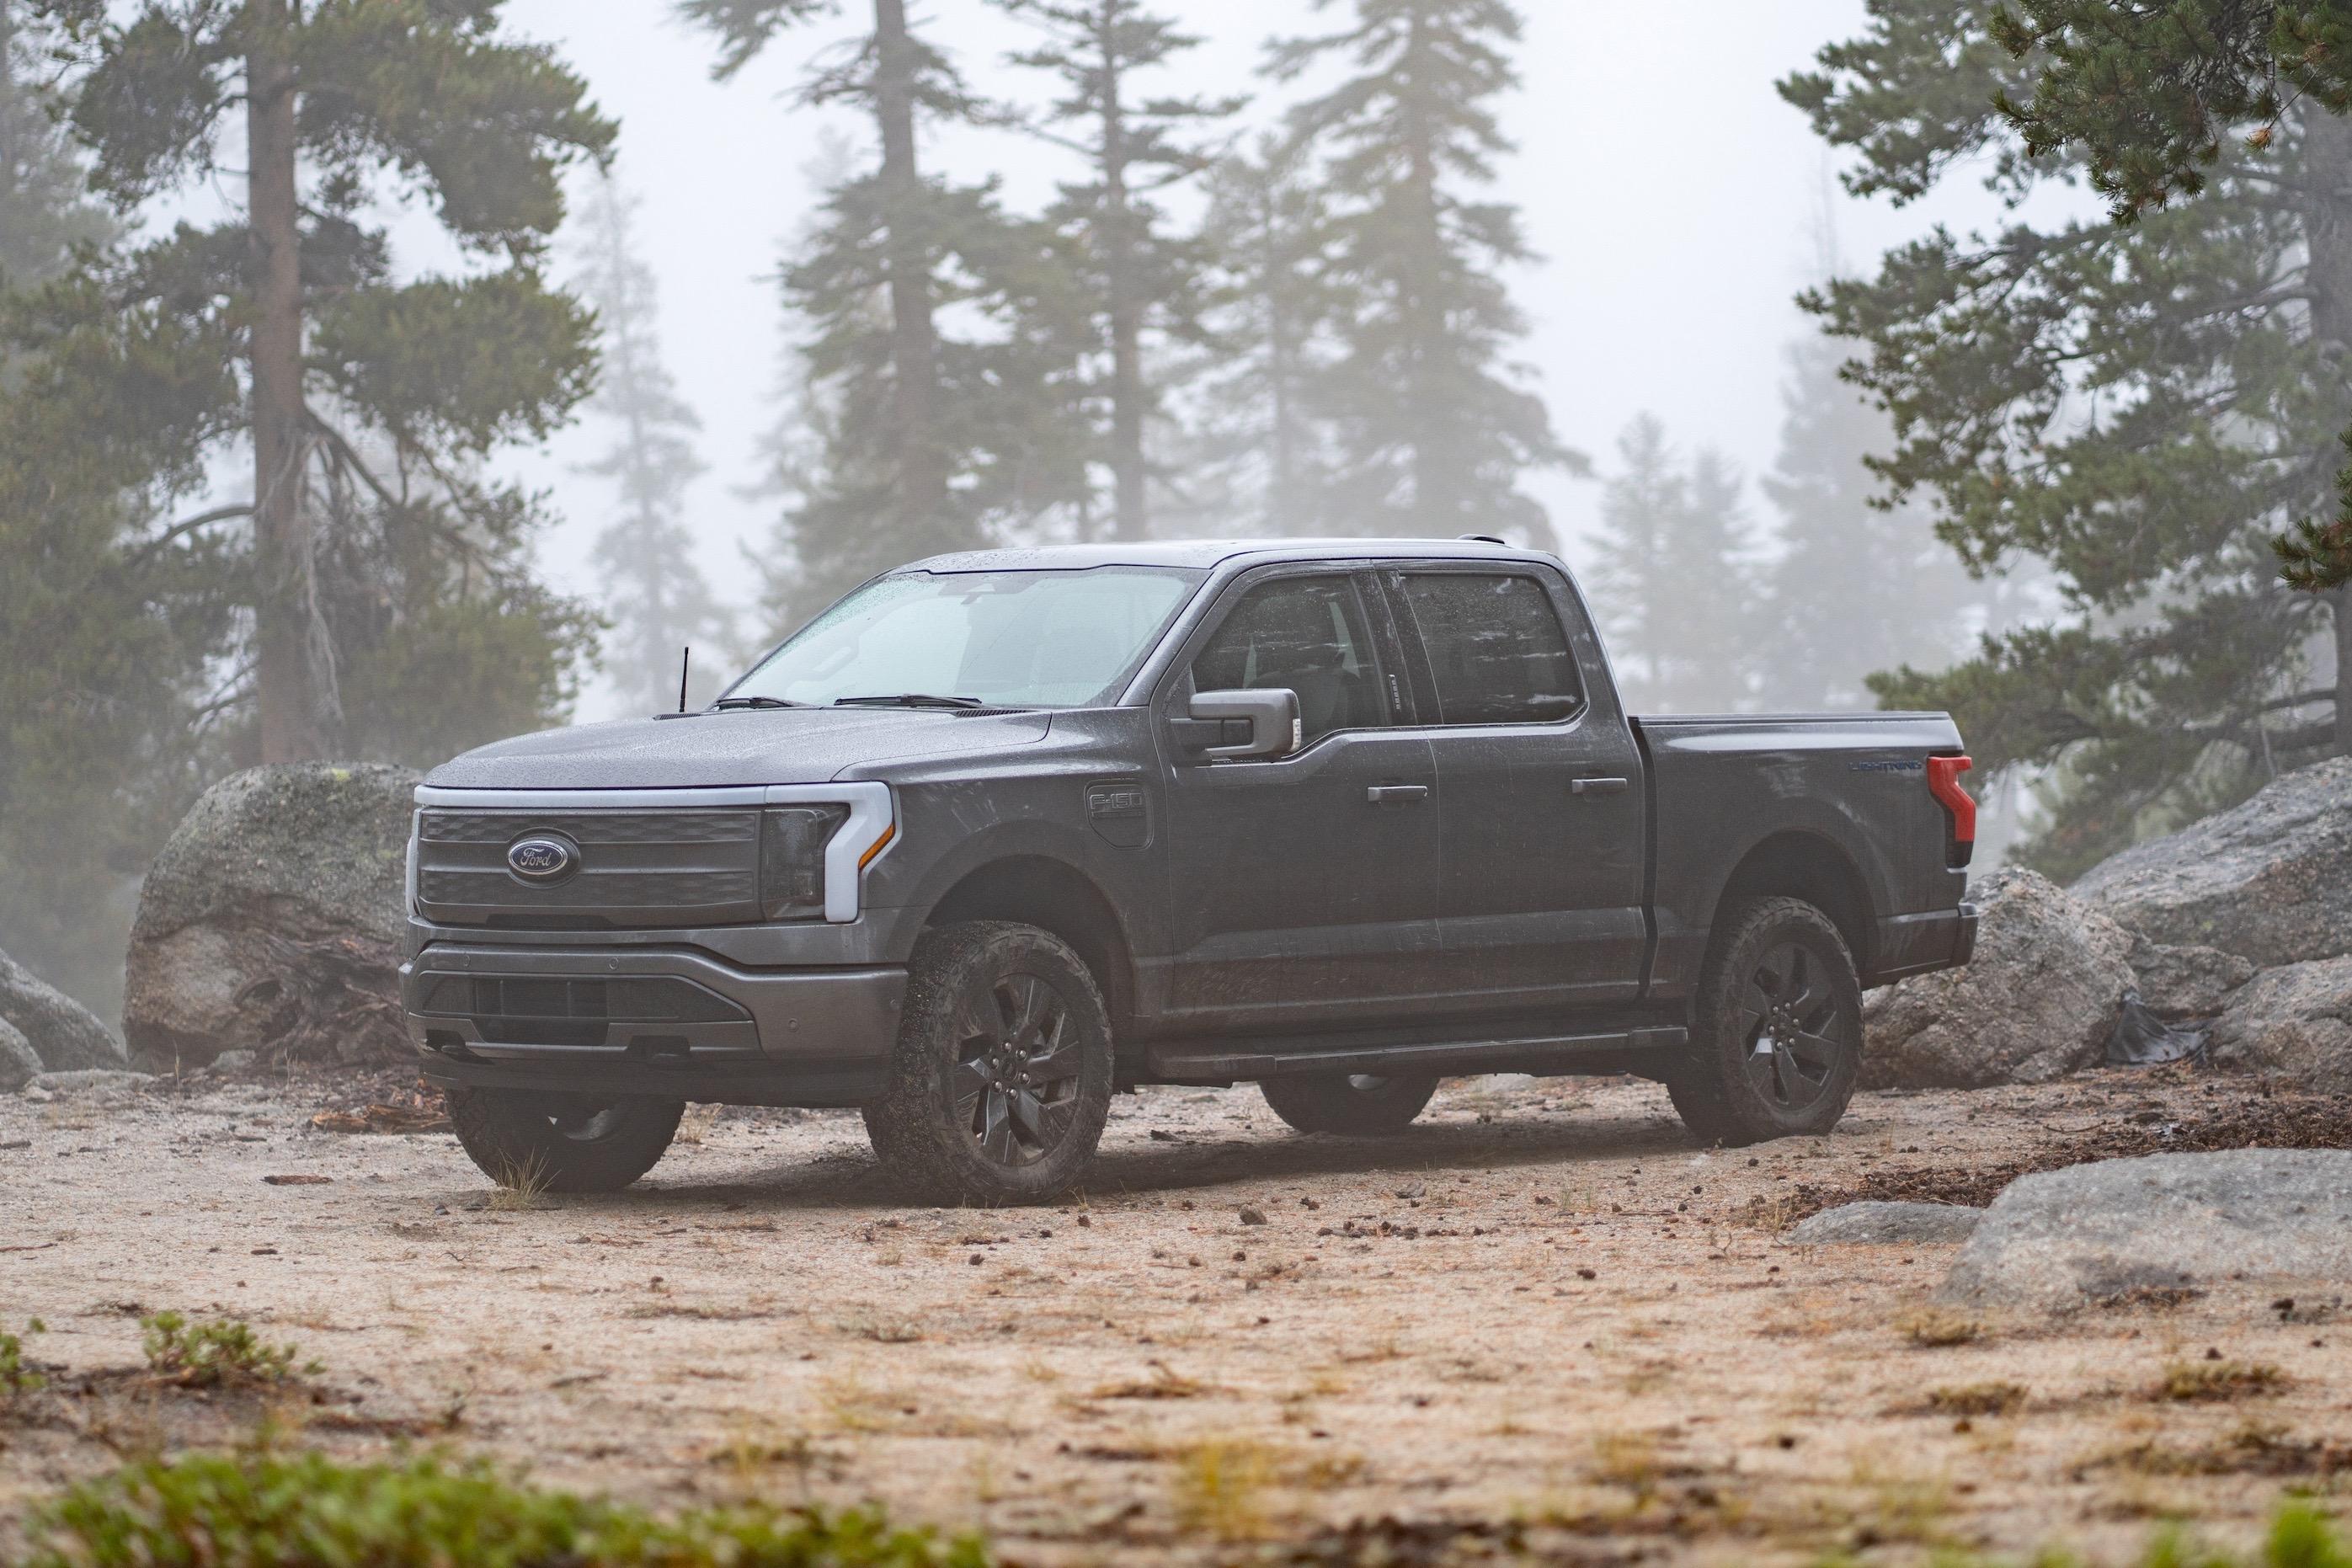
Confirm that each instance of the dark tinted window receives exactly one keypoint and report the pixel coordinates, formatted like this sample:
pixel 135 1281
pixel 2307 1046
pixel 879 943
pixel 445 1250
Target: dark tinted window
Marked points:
pixel 1308 634
pixel 1495 647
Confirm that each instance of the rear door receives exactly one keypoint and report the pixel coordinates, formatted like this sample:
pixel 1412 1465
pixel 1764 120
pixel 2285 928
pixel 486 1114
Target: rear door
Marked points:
pixel 1540 890
pixel 1303 889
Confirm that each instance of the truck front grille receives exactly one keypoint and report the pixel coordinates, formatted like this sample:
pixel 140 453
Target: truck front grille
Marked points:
pixel 635 869
pixel 564 1011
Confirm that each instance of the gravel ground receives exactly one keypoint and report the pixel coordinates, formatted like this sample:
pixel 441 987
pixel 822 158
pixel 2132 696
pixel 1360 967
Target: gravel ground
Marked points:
pixel 1539 1322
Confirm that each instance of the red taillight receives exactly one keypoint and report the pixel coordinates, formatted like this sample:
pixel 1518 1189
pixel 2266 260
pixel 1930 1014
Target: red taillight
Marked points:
pixel 1943 783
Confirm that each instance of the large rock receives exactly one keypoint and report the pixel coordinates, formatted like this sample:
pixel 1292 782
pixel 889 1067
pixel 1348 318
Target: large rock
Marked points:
pixel 2265 880
pixel 2296 1020
pixel 2186 981
pixel 272 921
pixel 2035 1003
pixel 65 1035
pixel 2088 1232
pixel 18 1064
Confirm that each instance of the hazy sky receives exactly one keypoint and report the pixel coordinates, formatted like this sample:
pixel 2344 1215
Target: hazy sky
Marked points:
pixel 1676 201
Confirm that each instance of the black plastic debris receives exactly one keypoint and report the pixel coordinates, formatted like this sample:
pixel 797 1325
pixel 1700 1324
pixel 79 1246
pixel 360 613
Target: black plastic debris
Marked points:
pixel 2141 1040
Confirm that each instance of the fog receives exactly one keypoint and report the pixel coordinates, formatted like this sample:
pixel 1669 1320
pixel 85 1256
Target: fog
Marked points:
pixel 1677 205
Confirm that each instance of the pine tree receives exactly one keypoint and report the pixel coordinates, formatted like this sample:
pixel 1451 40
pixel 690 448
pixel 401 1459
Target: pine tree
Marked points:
pixel 1435 423
pixel 1857 587
pixel 657 600
pixel 106 633
pixel 366 404
pixel 2142 406
pixel 1671 575
pixel 1257 460
pixel 1140 283
pixel 44 210
pixel 927 437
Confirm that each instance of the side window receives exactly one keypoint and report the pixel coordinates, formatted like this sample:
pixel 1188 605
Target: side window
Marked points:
pixel 1308 634
pixel 1497 650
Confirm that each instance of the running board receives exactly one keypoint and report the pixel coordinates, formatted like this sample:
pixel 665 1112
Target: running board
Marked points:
pixel 1237 1061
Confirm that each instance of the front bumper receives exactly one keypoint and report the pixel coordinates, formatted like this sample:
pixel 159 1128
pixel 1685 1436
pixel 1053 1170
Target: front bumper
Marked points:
pixel 668 1021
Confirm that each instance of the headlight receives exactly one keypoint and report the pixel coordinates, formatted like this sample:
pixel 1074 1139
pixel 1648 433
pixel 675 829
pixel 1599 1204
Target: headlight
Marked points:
pixel 792 858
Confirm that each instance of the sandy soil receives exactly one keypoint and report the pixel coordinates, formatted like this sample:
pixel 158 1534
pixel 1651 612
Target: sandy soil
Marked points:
pixel 1541 1321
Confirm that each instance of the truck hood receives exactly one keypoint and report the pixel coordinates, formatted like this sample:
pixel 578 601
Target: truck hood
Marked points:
pixel 775 746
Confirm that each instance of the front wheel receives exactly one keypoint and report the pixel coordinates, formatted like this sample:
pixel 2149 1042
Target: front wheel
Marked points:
pixel 1776 1028
pixel 1349 1105
pixel 561 1142
pixel 1002 1079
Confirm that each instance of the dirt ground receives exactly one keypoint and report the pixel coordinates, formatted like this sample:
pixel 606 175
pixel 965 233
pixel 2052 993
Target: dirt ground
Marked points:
pixel 1540 1323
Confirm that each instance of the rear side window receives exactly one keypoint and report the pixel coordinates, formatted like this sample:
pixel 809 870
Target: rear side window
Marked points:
pixel 1497 650
pixel 1308 635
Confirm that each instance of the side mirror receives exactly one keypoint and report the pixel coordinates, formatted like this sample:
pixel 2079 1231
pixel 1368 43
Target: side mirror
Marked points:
pixel 1275 729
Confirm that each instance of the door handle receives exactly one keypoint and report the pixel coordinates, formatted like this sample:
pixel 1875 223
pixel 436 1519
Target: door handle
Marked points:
pixel 1599 787
pixel 1396 795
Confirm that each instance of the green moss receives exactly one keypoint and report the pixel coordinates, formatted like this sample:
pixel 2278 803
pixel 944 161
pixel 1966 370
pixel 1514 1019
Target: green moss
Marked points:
pixel 272 1512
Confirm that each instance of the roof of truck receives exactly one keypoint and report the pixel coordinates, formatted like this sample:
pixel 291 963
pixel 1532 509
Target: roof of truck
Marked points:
pixel 1204 553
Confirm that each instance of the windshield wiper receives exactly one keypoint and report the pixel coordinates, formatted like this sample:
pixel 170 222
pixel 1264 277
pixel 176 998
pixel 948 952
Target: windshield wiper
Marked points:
pixel 732 702
pixel 909 700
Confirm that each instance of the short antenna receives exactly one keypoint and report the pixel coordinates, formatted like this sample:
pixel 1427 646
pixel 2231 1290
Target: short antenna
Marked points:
pixel 685 659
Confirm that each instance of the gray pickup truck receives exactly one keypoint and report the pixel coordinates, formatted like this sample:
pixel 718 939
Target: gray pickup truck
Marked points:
pixel 1000 834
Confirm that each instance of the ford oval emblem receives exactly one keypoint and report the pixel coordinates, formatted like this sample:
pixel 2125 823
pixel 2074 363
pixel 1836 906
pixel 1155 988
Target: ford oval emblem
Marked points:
pixel 542 859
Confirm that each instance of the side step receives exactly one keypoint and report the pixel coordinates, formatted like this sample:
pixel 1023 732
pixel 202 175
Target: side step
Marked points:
pixel 1238 1060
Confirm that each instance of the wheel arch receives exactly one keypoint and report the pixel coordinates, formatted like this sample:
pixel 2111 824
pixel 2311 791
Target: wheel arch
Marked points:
pixel 1057 896
pixel 1797 864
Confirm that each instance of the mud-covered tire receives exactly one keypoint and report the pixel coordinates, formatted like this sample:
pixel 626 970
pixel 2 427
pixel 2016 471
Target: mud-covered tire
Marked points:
pixel 1776 1027
pixel 561 1142
pixel 1349 1105
pixel 1001 1080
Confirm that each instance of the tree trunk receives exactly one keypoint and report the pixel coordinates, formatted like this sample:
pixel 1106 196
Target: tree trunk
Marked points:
pixel 285 608
pixel 1433 486
pixel 2327 227
pixel 1128 474
pixel 2343 615
pixel 921 478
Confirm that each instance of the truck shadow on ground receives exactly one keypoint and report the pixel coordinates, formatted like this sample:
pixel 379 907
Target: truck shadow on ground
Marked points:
pixel 843 1175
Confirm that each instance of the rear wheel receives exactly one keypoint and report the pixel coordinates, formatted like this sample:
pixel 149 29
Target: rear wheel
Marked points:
pixel 561 1142
pixel 1002 1079
pixel 1776 1028
pixel 1349 1105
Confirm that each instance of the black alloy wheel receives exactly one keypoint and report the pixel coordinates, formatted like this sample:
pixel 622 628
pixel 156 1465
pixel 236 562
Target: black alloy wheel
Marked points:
pixel 1776 1039
pixel 1795 1035
pixel 1016 1078
pixel 1001 1080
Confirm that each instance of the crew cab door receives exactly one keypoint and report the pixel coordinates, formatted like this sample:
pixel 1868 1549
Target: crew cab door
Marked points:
pixel 1302 889
pixel 1539 899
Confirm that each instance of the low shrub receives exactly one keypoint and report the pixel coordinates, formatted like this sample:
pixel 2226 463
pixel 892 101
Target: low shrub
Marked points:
pixel 272 1510
pixel 225 1352
pixel 17 1377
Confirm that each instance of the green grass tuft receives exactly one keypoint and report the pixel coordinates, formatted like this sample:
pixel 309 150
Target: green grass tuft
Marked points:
pixel 261 1509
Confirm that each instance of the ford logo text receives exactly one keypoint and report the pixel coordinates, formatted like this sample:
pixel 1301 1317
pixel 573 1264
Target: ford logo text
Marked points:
pixel 542 859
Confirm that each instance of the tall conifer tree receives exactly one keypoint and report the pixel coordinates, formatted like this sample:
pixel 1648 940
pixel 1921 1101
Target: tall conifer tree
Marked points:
pixel 2141 405
pixel 1139 283
pixel 1672 575
pixel 45 208
pixel 1435 424
pixel 1257 459
pixel 926 438
pixel 657 600
pixel 1857 587
pixel 379 560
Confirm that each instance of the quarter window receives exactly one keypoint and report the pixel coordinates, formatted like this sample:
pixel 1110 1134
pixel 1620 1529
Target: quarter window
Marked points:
pixel 1497 651
pixel 1308 635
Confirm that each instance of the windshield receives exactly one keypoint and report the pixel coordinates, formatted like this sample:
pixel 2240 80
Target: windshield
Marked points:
pixel 1023 639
